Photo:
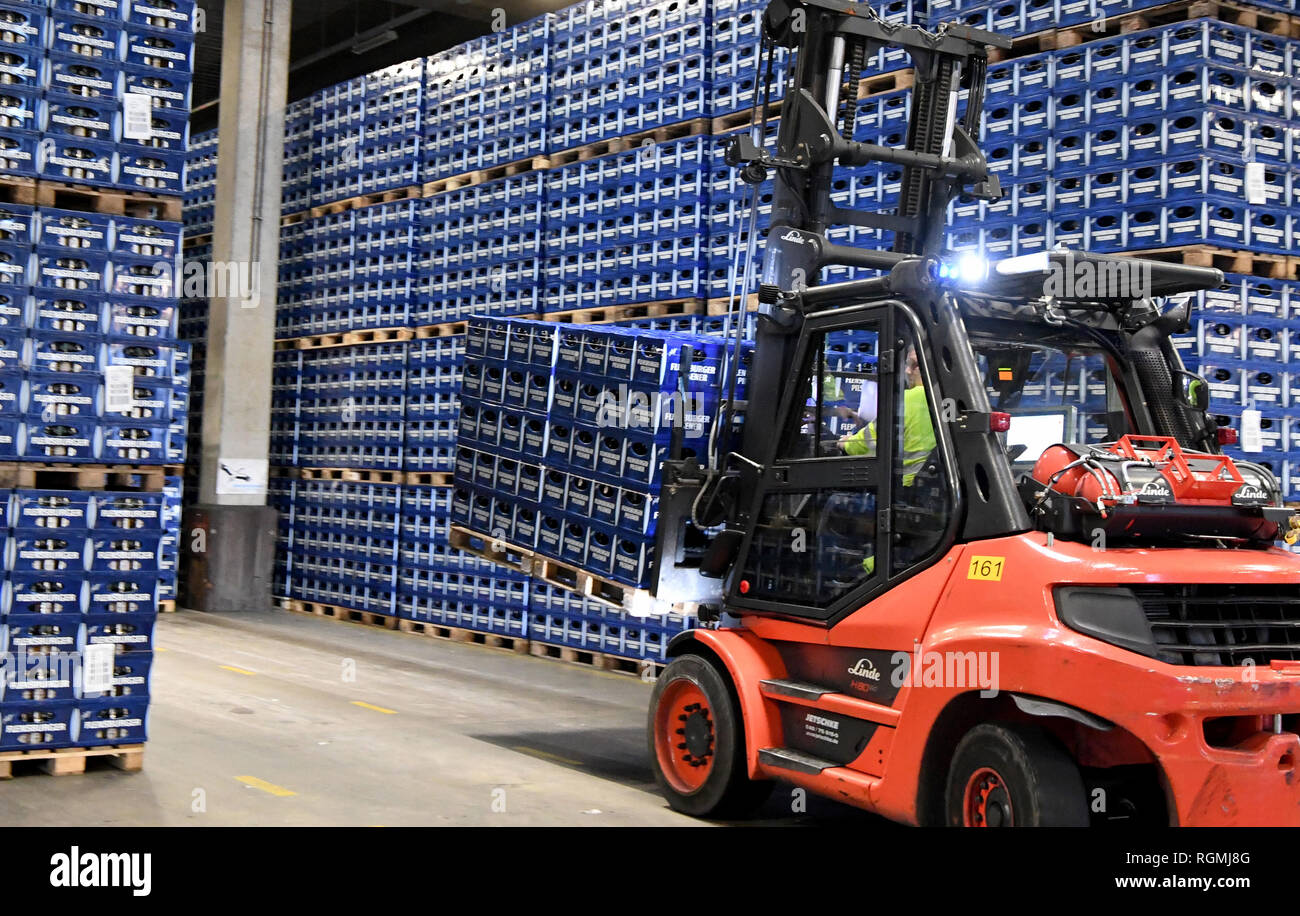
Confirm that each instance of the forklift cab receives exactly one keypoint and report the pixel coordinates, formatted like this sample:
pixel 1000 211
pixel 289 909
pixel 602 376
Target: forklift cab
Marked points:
pixel 842 511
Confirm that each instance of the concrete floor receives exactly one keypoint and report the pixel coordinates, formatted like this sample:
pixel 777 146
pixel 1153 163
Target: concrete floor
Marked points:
pixel 281 719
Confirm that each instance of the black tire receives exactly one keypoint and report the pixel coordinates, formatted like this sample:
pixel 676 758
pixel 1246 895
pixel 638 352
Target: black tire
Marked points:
pixel 1034 783
pixel 727 791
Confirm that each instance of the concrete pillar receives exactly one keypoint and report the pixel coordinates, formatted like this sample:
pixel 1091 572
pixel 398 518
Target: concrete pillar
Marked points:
pixel 241 321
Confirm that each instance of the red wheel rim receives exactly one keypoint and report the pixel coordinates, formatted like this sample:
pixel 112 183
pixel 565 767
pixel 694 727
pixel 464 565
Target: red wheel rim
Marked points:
pixel 986 802
pixel 684 736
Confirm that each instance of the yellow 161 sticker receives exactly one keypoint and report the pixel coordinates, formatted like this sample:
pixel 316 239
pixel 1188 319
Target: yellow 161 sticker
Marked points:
pixel 986 568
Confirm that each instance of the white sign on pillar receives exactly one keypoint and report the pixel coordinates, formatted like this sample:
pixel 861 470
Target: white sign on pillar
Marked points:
pixel 242 476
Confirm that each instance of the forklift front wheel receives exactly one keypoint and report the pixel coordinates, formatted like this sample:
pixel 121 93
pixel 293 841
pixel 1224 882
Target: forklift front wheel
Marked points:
pixel 1013 775
pixel 697 740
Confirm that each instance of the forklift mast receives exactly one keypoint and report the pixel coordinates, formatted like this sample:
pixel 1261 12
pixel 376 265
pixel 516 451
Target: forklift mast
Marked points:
pixel 833 39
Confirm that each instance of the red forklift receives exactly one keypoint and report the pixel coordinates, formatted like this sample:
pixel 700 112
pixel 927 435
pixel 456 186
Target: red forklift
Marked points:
pixel 1024 586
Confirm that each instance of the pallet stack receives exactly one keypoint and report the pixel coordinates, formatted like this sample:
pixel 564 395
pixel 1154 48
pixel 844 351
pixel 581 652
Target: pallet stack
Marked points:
pixel 94 381
pixel 1161 128
pixel 568 171
pixel 485 102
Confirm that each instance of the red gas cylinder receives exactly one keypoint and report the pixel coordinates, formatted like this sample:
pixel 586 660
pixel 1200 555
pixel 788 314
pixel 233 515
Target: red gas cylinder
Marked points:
pixel 1080 481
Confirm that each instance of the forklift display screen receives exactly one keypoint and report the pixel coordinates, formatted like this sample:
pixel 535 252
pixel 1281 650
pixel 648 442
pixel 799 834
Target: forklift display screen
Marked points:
pixel 1031 434
pixel 1054 393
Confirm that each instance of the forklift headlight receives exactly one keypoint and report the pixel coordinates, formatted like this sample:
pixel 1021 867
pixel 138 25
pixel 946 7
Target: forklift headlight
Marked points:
pixel 1113 615
pixel 969 270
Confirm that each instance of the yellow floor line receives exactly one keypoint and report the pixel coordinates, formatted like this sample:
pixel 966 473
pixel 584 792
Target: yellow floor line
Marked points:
pixel 546 755
pixel 239 670
pixel 363 705
pixel 269 787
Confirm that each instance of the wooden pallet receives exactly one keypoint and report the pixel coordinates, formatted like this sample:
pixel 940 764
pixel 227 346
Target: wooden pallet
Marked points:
pixel 429 478
pixel 353 475
pixel 365 200
pixel 516 644
pixel 480 176
pixel 167 606
pixel 880 83
pixel 1035 43
pixel 722 306
pixel 72 760
pixel 558 573
pixel 378 335
pixel 345 339
pixel 1274 23
pixel 589 585
pixel 15 190
pixel 1270 266
pixel 197 241
pixel 646 668
pixel 333 611
pixel 489 548
pixel 106 200
pixel 1262 20
pixel 868 86
pixel 604 315
pixel 40 476
pixel 448 329
pixel 725 124
pixel 599 148
pixel 319 341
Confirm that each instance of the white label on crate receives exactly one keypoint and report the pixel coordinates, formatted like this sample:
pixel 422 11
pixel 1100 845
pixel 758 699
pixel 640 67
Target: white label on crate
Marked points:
pixel 1251 440
pixel 119 389
pixel 1256 190
pixel 137 116
pixel 242 476
pixel 97 668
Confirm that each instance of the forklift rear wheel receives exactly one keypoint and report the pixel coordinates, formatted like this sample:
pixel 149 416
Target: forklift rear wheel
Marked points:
pixel 1012 775
pixel 697 740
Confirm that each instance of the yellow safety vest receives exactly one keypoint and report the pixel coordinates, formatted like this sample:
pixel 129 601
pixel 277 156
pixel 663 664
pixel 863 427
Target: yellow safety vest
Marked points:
pixel 918 434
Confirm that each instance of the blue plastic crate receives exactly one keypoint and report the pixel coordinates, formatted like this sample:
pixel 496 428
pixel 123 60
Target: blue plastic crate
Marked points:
pixel 151 169
pixel 64 352
pixel 38 678
pixel 91 39
pixel 129 511
pixel 111 721
pixel 23 65
pixel 31 598
pixel 78 161
pixel 72 229
pixel 127 632
pixel 49 397
pixel 168 52
pixel 98 79
pixel 41 725
pixel 162 15
pixel 66 440
pixel 141 318
pixel 48 552
pixel 19 151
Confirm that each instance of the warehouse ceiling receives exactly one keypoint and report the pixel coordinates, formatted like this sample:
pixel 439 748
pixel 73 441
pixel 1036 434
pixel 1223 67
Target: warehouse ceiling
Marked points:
pixel 325 32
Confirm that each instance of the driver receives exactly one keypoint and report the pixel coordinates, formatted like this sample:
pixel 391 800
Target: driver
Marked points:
pixel 918 426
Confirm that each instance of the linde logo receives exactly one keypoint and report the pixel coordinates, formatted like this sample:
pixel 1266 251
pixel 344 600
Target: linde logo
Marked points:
pixel 793 236
pixel 1156 488
pixel 103 869
pixel 865 669
pixel 1250 493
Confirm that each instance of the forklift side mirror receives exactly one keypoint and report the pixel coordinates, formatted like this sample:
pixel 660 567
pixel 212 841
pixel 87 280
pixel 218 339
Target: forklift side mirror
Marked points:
pixel 1192 390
